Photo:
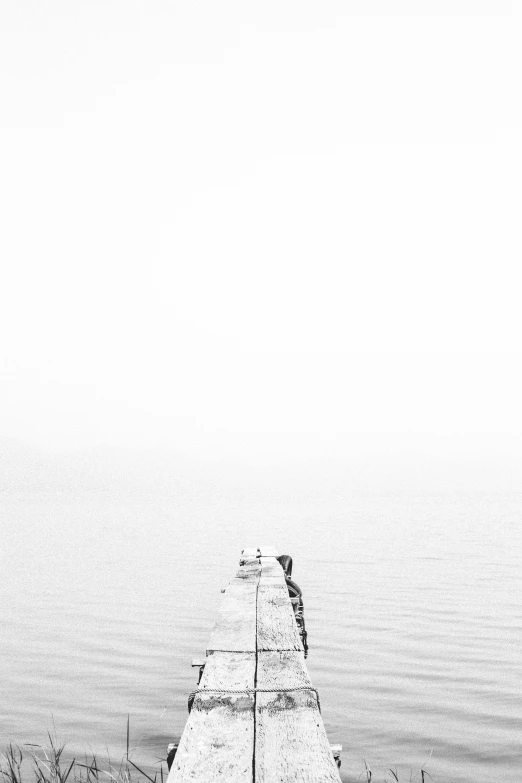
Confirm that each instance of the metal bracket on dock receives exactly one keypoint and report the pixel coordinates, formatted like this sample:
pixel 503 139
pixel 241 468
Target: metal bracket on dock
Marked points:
pixel 336 753
pixel 171 752
pixel 199 662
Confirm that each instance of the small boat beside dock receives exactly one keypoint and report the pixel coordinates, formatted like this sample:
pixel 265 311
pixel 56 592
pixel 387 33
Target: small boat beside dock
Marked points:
pixel 255 715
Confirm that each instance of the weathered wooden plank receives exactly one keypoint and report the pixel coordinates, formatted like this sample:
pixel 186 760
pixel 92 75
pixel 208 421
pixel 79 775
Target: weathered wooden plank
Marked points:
pixel 250 570
pixel 290 740
pixel 271 570
pixel 276 626
pixel 218 740
pixel 235 628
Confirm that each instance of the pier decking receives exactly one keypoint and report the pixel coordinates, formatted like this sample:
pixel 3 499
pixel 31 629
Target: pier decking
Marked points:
pixel 255 715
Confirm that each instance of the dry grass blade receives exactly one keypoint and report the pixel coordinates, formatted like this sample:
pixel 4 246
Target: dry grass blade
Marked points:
pixel 92 769
pixel 48 766
pixel 64 778
pixel 152 780
pixel 13 759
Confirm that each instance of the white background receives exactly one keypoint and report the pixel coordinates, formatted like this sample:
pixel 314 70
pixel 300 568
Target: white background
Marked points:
pixel 262 230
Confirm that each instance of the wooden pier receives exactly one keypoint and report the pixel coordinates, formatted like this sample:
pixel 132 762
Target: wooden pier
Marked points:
pixel 255 715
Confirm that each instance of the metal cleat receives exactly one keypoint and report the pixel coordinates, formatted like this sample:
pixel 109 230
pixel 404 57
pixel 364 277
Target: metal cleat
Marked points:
pixel 336 753
pixel 172 749
pixel 201 663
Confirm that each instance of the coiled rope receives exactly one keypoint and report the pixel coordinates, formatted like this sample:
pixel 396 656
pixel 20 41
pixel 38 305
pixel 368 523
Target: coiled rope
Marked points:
pixel 251 691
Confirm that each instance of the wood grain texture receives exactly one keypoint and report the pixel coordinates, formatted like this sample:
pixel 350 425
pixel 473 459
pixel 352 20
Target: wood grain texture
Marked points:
pixel 218 740
pixel 285 669
pixel 271 571
pixel 276 626
pixel 250 570
pixel 290 740
pixel 235 628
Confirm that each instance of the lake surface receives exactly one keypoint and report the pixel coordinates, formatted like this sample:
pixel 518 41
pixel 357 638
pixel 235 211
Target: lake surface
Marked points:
pixel 412 604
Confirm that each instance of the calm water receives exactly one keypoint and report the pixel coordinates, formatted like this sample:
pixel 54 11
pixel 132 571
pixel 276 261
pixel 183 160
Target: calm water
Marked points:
pixel 412 605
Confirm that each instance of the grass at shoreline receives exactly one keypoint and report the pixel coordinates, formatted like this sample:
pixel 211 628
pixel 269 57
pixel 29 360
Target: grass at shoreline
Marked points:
pixel 33 763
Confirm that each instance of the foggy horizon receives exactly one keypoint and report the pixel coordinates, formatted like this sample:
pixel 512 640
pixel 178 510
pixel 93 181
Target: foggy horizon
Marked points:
pixel 242 236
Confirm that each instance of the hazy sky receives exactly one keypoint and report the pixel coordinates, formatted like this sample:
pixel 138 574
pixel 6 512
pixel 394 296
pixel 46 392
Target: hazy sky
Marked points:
pixel 236 226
